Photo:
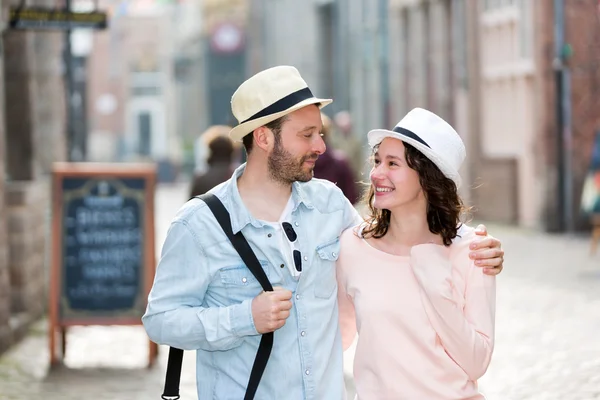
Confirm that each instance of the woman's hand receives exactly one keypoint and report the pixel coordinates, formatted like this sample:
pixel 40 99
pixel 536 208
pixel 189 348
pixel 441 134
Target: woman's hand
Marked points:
pixel 487 252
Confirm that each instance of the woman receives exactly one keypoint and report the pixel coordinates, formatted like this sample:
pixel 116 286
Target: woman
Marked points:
pixel 424 313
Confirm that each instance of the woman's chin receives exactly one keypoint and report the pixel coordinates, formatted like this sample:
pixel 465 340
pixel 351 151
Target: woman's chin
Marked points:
pixel 380 204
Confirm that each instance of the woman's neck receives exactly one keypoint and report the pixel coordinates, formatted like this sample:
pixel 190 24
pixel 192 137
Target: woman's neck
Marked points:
pixel 409 227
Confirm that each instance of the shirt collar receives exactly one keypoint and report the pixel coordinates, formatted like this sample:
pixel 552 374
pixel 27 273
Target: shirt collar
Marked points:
pixel 240 216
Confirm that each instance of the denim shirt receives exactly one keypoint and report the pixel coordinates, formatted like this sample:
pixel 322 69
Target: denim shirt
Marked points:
pixel 202 294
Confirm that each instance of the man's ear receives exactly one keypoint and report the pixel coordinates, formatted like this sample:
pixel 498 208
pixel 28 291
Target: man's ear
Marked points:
pixel 263 137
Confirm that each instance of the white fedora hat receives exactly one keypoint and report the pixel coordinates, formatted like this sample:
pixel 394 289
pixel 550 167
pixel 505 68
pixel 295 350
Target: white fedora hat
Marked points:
pixel 432 136
pixel 268 95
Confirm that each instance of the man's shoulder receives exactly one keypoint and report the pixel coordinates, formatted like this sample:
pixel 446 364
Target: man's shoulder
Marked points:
pixel 195 210
pixel 323 194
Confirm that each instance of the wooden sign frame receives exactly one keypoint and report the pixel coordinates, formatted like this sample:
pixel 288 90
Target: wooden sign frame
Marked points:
pixel 62 170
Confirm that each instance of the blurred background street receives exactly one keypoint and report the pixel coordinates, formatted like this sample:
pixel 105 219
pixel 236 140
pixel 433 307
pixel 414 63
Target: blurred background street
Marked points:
pixel 117 82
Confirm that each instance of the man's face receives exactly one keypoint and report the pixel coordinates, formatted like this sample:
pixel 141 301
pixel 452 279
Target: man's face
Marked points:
pixel 297 147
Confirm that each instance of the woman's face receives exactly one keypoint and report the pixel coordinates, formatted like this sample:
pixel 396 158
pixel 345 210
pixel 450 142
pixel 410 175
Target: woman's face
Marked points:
pixel 394 182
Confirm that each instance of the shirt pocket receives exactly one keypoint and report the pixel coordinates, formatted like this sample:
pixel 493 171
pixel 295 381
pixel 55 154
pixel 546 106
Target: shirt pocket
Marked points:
pixel 240 282
pixel 327 255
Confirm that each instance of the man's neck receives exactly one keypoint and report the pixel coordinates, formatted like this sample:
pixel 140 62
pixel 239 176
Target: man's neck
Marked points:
pixel 263 197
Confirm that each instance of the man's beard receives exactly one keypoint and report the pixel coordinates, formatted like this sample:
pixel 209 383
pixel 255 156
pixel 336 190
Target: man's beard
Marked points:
pixel 285 169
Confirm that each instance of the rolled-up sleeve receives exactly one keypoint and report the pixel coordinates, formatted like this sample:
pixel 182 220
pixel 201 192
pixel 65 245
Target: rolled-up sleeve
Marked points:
pixel 464 321
pixel 175 315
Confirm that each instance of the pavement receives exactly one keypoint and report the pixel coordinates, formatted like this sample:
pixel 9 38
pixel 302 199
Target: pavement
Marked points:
pixel 547 327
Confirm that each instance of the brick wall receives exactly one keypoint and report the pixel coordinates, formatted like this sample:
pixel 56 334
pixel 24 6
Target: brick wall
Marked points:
pixel 35 121
pixel 582 25
pixel 26 207
pixel 5 334
pixel 49 105
pixel 548 147
pixel 582 21
pixel 5 303
pixel 19 123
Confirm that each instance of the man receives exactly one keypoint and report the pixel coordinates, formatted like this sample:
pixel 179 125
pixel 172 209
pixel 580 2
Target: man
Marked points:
pixel 219 161
pixel 346 140
pixel 333 165
pixel 204 298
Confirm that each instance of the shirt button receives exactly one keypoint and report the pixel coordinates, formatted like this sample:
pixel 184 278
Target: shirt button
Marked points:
pixel 333 254
pixel 297 297
pixel 244 280
pixel 269 235
pixel 296 223
pixel 282 266
pixel 302 333
pixel 307 372
pixel 305 258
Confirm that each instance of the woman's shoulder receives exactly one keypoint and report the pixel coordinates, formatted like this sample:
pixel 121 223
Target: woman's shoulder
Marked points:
pixel 465 233
pixel 351 235
pixel 464 237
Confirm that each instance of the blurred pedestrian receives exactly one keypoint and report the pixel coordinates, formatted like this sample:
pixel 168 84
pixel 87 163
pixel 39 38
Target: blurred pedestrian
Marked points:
pixel 424 312
pixel 219 161
pixel 333 165
pixel 345 139
pixel 204 298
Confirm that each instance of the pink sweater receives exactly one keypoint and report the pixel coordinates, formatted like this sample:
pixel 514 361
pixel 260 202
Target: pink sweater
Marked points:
pixel 425 321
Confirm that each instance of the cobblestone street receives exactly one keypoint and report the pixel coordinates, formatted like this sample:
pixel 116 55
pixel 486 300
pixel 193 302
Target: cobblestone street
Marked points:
pixel 547 344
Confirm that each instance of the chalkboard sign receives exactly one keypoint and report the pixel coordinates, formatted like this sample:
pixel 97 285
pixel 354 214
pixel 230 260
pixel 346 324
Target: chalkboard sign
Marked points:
pixel 103 244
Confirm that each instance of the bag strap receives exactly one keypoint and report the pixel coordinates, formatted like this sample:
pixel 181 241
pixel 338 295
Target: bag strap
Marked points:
pixel 238 240
pixel 241 245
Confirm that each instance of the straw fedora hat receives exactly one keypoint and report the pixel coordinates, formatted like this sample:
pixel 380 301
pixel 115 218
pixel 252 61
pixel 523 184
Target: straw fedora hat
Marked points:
pixel 432 136
pixel 269 95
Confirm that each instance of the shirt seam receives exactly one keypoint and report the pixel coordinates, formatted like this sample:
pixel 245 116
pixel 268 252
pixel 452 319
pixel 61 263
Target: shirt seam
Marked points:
pixel 187 226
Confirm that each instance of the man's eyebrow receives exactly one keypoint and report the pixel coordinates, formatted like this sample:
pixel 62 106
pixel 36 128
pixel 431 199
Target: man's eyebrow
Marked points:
pixel 308 128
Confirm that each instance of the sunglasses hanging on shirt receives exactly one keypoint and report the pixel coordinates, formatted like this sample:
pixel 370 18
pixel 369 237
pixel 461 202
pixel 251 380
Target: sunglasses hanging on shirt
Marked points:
pixel 292 237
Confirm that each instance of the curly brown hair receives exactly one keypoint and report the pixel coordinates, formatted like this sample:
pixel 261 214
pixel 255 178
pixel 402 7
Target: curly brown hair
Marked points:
pixel 444 205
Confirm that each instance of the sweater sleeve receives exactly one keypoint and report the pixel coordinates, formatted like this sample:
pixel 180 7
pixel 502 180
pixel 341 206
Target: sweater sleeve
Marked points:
pixel 347 314
pixel 464 321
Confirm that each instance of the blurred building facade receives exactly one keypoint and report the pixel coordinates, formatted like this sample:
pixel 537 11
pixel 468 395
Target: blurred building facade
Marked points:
pixel 528 137
pixel 132 89
pixel 474 64
pixel 224 43
pixel 339 46
pixel 32 136
pixel 489 67
pixel 190 71
pixel 161 74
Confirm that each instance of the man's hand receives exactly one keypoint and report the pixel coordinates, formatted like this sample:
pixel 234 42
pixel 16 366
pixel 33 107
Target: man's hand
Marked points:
pixel 487 252
pixel 271 309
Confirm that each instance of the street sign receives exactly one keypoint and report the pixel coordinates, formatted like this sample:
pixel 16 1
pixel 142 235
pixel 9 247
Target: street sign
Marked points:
pixel 103 256
pixel 55 19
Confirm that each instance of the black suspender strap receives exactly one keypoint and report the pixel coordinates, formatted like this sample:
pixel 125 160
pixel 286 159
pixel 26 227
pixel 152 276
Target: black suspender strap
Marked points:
pixel 241 245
